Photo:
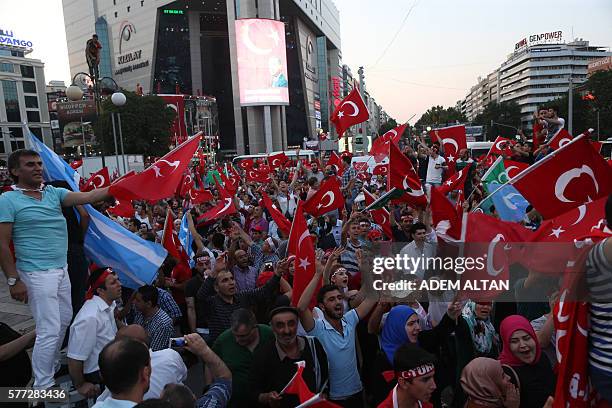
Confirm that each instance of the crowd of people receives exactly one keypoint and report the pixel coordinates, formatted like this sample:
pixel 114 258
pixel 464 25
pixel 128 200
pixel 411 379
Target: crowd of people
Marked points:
pixel 231 310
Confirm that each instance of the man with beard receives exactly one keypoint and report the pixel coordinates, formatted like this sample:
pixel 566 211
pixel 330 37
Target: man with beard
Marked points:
pixel 336 331
pixel 274 365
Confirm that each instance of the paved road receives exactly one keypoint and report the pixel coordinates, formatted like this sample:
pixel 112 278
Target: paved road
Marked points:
pixel 15 314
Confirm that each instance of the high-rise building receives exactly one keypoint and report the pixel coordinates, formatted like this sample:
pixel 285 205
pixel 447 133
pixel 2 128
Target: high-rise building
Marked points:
pixel 23 99
pixel 226 49
pixel 538 71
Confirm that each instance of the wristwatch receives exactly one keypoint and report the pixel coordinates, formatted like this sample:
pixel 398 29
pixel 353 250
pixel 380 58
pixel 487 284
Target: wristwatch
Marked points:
pixel 12 281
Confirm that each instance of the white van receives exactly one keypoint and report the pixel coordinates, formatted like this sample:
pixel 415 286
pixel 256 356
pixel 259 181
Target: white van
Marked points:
pixel 478 148
pixel 304 154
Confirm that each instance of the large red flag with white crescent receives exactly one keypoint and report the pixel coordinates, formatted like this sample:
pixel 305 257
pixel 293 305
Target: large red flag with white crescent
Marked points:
pixel 99 179
pixel 301 245
pixel 162 178
pixel 380 215
pixel 513 167
pixel 452 139
pixel 328 198
pixel 336 161
pixel 281 221
pixel 403 177
pixel 565 179
pixel 349 112
pixel 277 160
pixel 380 145
pixel 456 181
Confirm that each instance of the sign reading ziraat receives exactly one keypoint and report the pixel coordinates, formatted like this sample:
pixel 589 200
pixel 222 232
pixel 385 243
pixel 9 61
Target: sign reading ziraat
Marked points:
pixel 262 62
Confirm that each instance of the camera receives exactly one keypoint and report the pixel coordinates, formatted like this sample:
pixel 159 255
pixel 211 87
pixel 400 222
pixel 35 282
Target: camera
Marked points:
pixel 268 266
pixel 177 342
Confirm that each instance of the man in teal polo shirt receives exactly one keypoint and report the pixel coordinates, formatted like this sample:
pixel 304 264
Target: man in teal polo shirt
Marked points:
pixel 336 332
pixel 31 216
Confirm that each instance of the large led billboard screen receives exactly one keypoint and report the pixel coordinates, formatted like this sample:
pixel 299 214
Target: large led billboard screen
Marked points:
pixel 262 62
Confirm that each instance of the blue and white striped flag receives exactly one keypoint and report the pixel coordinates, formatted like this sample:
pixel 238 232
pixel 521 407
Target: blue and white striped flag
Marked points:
pixel 107 243
pixel 186 239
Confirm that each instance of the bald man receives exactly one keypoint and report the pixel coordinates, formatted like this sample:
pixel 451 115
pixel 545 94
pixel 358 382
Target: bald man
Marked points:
pixel 167 366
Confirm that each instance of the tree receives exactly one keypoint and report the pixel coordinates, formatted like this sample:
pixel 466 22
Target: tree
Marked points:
pixel 387 126
pixel 506 113
pixel 437 116
pixel 145 124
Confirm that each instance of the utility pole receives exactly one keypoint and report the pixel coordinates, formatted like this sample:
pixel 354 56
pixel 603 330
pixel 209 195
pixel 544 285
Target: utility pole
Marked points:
pixel 362 125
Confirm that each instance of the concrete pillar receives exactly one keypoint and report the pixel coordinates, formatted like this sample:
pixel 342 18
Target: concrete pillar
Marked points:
pixel 231 30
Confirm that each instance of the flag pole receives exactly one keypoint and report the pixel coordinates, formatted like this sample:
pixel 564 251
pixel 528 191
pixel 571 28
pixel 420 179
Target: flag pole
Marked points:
pixel 382 197
pixel 532 167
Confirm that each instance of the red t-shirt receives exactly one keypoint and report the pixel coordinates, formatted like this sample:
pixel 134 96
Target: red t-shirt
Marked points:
pixel 391 401
pixel 180 274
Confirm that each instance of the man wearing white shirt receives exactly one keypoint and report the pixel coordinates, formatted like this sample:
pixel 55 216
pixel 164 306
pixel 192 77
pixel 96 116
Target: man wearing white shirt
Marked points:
pixel 125 367
pixel 93 328
pixel 167 366
pixel 423 246
pixel 435 166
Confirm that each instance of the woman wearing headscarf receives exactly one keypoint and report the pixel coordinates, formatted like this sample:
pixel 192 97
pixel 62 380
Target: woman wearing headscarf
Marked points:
pixel 526 365
pixel 402 326
pixel 475 337
pixel 486 385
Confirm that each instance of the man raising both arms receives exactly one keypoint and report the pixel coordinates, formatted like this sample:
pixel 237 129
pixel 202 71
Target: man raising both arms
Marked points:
pixel 31 216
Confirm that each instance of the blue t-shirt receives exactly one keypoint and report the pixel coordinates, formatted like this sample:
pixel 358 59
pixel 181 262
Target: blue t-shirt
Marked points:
pixel 344 379
pixel 40 235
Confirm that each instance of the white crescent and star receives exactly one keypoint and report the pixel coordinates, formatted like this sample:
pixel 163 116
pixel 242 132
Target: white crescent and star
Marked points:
pixel 564 179
pixel 453 142
pixel 497 144
pixel 355 108
pixel 331 196
pixel 157 170
pixel 491 254
pixel 102 180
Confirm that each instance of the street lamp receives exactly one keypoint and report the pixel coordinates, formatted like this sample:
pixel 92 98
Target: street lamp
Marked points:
pixel 118 99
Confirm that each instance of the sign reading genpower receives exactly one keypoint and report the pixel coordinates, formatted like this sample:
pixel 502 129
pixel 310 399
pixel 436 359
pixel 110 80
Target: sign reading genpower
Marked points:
pixel 262 62
pixel 8 38
pixel 553 37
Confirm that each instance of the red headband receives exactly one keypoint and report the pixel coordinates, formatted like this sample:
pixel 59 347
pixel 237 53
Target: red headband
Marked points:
pixel 408 374
pixel 99 282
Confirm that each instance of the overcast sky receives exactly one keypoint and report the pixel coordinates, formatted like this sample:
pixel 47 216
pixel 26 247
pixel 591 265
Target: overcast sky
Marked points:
pixel 437 55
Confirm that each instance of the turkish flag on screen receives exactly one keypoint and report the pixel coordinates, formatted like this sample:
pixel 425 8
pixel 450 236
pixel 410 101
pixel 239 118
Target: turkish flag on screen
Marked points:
pixel 162 178
pixel 349 112
pixel 565 179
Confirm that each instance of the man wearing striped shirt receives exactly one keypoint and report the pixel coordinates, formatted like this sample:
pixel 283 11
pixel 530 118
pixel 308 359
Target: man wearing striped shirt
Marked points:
pixel 348 259
pixel 599 279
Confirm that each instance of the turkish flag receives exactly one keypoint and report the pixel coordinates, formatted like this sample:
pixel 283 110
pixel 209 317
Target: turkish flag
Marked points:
pixel 497 244
pixel 452 139
pixel 224 207
pixel 565 179
pixel 571 320
pixel 381 215
pixel 501 146
pixel 307 398
pixel 402 176
pixel 259 175
pixel 300 244
pixel 76 164
pixel 162 178
pixel 578 224
pixel 446 220
pixel 513 168
pixel 381 170
pixel 336 161
pixel 229 183
pixel 346 153
pixel 281 221
pixel 455 182
pixel 560 139
pixel 100 179
pixel 277 160
pixel 246 164
pixel 171 242
pixel 186 185
pixel 126 175
pixel 380 145
pixel 361 166
pixel 199 196
pixel 122 208
pixel 349 112
pixel 328 198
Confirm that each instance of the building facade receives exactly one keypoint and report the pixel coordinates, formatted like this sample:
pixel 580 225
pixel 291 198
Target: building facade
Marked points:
pixel 190 47
pixel 23 100
pixel 539 70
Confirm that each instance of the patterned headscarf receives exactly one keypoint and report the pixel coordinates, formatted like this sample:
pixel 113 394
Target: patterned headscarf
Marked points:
pixel 482 331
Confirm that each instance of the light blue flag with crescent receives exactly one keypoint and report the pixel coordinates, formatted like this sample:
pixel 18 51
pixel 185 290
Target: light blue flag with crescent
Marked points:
pixel 186 239
pixel 107 243
pixel 508 202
